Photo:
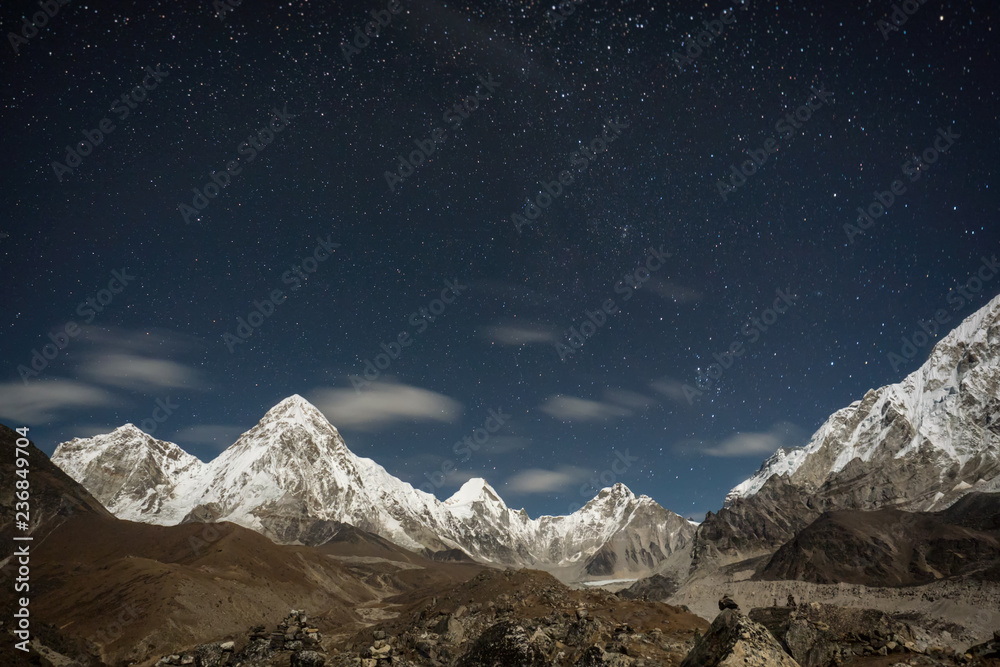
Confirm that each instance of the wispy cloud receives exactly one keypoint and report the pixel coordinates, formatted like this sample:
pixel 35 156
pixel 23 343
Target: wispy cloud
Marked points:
pixel 44 401
pixel 382 404
pixel 130 371
pixel 519 334
pixel 671 388
pixel 88 430
pixel 671 291
pixel 538 480
pixel 628 399
pixel 782 434
pixel 571 408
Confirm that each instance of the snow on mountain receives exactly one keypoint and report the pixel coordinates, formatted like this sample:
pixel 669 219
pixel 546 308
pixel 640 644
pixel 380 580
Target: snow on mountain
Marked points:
pixel 292 474
pixel 941 425
pixel 130 472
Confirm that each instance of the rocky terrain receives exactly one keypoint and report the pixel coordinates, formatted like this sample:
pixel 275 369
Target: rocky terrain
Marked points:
pixel 507 618
pixel 895 548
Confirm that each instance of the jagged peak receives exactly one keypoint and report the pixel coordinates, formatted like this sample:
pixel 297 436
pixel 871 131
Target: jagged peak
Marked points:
pixel 292 406
pixel 128 428
pixel 475 489
pixel 297 409
pixel 617 490
pixel 935 374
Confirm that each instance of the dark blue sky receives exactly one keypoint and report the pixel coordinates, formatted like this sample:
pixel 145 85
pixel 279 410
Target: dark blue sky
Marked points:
pixel 831 104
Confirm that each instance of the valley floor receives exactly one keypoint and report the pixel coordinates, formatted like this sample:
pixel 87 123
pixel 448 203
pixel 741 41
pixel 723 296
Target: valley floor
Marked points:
pixel 954 613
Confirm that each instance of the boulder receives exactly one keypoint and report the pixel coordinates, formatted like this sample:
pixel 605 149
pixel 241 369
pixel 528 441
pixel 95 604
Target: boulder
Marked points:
pixel 734 640
pixel 595 656
pixel 308 659
pixel 727 602
pixel 208 655
pixel 815 633
pixel 504 644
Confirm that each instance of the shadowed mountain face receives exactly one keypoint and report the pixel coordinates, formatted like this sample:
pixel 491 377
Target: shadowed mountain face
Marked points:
pixel 55 496
pixel 895 548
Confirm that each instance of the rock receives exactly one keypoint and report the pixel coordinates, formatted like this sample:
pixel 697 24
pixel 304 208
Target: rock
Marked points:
pixel 208 655
pixel 227 646
pixel 308 659
pixel 727 602
pixel 597 657
pixel 293 645
pixel 809 645
pixel 503 644
pixel 734 640
pixel 988 649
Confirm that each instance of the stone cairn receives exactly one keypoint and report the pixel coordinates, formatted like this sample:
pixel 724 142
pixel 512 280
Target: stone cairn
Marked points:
pixel 292 634
pixel 379 654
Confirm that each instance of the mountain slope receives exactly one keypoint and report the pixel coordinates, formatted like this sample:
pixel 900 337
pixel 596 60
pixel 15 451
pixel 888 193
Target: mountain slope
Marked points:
pixel 292 478
pixel 890 547
pixel 918 445
pixel 136 590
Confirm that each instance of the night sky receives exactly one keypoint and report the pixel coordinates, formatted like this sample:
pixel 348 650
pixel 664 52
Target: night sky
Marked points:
pixel 652 229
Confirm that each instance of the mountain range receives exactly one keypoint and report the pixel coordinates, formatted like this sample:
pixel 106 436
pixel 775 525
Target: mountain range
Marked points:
pixel 292 478
pixel 918 445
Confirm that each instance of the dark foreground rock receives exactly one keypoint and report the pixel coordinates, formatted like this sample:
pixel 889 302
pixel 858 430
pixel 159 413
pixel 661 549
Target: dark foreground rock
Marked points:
pixel 734 640
pixel 505 644
pixel 817 635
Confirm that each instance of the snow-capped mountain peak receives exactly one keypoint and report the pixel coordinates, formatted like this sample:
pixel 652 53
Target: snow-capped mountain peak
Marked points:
pixel 476 489
pixel 296 409
pixel 291 474
pixel 938 419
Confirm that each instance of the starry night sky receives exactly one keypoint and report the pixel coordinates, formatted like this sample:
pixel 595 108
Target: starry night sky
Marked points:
pixel 547 87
